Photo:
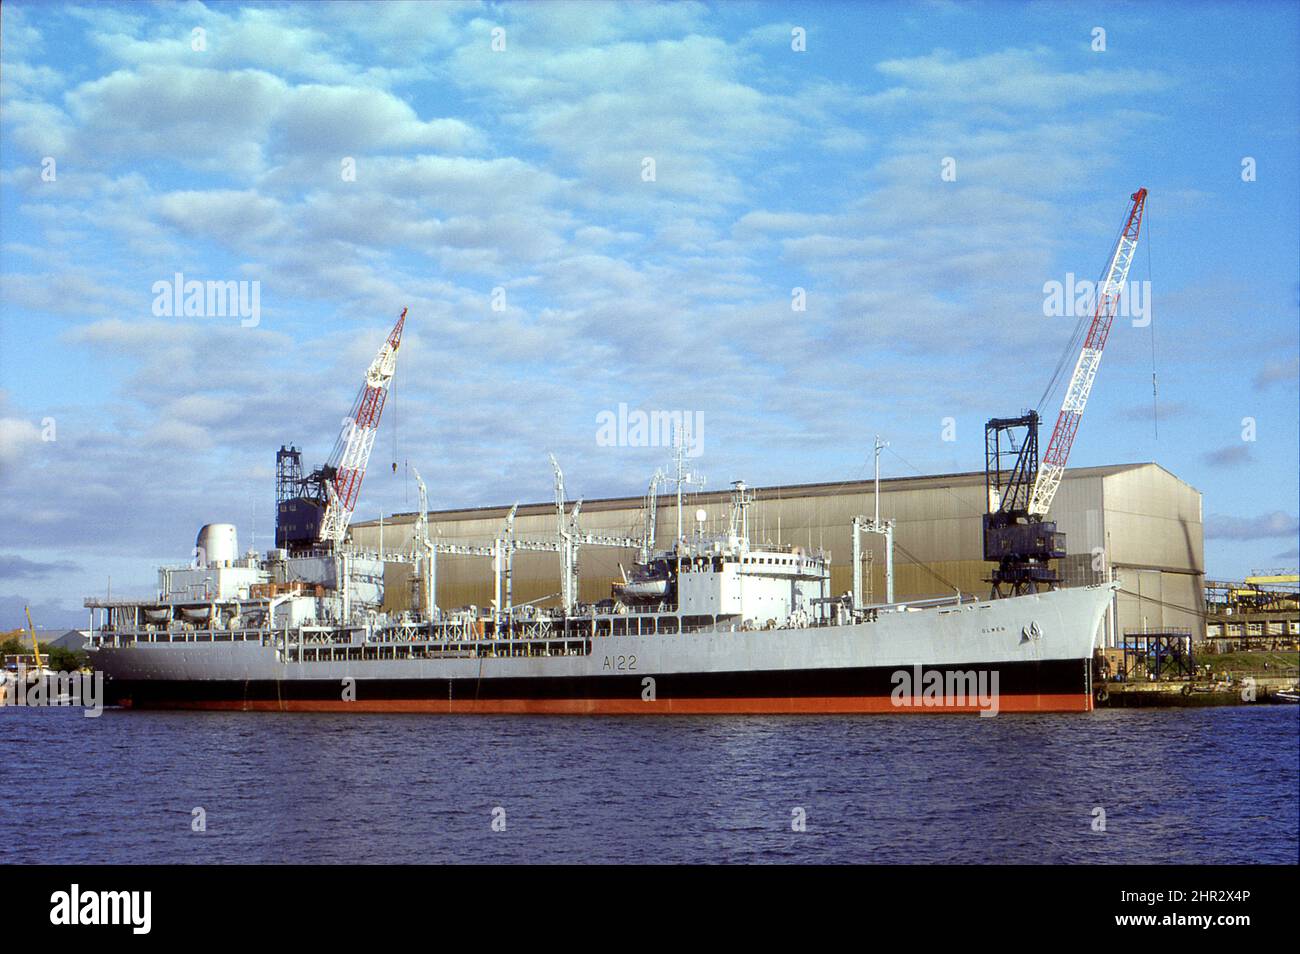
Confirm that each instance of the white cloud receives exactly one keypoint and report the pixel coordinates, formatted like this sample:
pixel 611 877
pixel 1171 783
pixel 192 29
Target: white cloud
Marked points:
pixel 17 437
pixel 1007 79
pixel 240 217
pixel 602 110
pixel 1266 525
pixel 241 122
pixel 523 170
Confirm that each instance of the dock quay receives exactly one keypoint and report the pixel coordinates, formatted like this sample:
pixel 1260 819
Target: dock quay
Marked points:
pixel 1249 691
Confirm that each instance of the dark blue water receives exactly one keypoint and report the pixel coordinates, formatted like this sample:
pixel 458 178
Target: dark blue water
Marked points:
pixel 1197 786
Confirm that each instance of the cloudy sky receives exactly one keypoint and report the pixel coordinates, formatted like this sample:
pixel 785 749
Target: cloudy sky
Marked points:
pixel 591 205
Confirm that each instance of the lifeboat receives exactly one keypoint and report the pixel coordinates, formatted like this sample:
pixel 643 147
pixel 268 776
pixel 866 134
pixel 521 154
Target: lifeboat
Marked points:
pixel 641 591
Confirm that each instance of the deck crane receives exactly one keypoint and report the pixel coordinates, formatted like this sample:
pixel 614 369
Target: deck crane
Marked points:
pixel 508 546
pixel 575 541
pixel 559 495
pixel 567 529
pixel 1020 492
pixel 420 533
pixel 650 516
pixel 315 511
pixel 565 539
pixel 423 553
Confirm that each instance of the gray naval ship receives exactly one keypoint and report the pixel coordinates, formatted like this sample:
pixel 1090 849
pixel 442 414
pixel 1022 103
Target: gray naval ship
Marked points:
pixel 714 623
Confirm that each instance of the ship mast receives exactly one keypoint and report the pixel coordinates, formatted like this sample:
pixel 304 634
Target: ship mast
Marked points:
pixel 880 445
pixel 863 524
pixel 683 477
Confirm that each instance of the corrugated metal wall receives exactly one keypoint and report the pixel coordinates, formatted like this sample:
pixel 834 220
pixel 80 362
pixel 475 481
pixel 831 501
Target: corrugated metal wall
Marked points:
pixel 1156 542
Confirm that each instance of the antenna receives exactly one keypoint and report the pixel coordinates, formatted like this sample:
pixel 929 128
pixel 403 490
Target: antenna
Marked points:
pixel 880 445
pixel 681 478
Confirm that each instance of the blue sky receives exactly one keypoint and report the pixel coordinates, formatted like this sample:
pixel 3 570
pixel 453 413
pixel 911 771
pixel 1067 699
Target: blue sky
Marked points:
pixel 522 169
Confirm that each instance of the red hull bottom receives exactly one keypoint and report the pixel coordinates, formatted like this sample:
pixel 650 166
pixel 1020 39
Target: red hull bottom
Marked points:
pixel 829 705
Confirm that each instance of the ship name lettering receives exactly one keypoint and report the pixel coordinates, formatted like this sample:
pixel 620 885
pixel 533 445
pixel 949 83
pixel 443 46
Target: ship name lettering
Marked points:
pixel 620 663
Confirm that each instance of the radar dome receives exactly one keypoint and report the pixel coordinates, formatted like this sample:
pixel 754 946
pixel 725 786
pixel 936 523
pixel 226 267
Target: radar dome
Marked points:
pixel 217 544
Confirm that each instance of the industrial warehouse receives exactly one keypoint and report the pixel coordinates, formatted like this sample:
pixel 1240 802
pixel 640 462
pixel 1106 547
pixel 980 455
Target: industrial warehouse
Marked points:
pixel 1135 523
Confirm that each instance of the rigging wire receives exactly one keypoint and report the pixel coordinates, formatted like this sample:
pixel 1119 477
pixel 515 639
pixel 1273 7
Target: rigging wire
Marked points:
pixel 864 472
pixel 964 512
pixel 934 573
pixel 392 396
pixel 1080 329
pixel 1155 400
pixel 1190 611
pixel 1071 348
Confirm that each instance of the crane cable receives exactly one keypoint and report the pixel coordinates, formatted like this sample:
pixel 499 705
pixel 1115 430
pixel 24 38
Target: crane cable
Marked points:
pixel 934 573
pixel 920 473
pixel 1200 614
pixel 864 473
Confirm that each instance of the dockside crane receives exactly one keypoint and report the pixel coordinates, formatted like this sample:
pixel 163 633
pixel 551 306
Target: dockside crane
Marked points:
pixel 315 511
pixel 1085 369
pixel 357 439
pixel 1020 492
pixel 36 647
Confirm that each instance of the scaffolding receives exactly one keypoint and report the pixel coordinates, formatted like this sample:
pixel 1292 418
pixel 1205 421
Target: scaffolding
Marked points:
pixel 1160 654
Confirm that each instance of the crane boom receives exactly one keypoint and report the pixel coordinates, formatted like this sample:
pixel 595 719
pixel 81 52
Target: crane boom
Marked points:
pixel 36 647
pixel 1085 370
pixel 357 439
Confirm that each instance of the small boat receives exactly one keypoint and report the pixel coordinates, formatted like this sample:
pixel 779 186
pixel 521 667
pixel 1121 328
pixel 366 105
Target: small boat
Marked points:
pixel 649 582
pixel 1286 695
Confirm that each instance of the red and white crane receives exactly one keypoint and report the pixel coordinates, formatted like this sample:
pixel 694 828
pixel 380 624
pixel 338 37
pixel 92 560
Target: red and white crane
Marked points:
pixel 347 464
pixel 1052 468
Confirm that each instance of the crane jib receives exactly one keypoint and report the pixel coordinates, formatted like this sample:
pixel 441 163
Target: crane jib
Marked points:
pixel 1085 369
pixel 357 439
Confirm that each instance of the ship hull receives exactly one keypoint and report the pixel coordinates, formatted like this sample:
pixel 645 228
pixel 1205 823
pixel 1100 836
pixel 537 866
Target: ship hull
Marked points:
pixel 1055 686
pixel 1024 654
pixel 862 705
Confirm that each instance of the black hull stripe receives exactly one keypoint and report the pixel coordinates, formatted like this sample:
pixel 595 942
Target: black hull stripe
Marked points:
pixel 1020 678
